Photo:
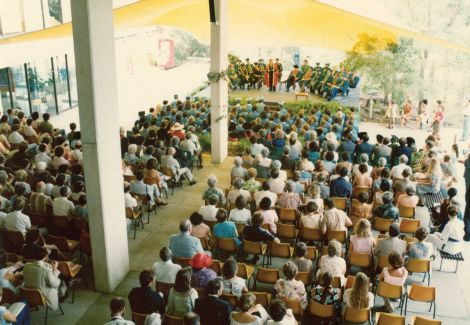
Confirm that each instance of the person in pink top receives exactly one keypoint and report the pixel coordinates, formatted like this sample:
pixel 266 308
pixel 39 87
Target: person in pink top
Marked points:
pixel 362 240
pixel 396 274
pixel 269 215
pixel 363 179
pixel 199 229
pixel 410 199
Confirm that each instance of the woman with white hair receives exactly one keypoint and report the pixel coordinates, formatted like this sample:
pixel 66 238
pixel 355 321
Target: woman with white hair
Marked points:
pixel 265 161
pixel 276 165
pixel 130 156
pixel 237 169
pixel 290 199
pixel 212 190
pixel 238 190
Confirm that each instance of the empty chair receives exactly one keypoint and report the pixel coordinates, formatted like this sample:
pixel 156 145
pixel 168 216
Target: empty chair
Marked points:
pixel 409 226
pixel 288 215
pixel 285 231
pixel 422 293
pixel 389 319
pixel 382 224
pixel 282 250
pixel 406 212
pixel 418 320
pixel 420 266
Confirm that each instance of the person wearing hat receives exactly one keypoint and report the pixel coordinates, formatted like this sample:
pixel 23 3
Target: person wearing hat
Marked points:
pixel 177 130
pixel 202 273
pixel 262 65
pixel 279 69
pixel 317 67
pixel 304 68
pixel 294 75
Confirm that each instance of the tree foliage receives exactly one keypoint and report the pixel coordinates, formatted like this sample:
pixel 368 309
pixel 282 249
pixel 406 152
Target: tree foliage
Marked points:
pixel 385 67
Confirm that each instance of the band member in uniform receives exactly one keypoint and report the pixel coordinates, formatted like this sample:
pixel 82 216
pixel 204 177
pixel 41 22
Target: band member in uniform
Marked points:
pixel 279 71
pixel 306 78
pixel 292 78
pixel 317 68
pixel 232 76
pixel 249 68
pixel 243 76
pixel 304 68
pixel 270 78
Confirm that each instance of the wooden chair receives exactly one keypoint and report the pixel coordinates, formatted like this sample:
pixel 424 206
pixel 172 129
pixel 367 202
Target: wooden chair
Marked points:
pixel 201 292
pixel 262 298
pixel 361 260
pixel 135 216
pixel 216 266
pixel 39 219
pixel 288 215
pixel 339 235
pixel 321 311
pixel 305 277
pixel 382 224
pixel 205 243
pixel 173 320
pixel 383 262
pixel 210 223
pixel 336 283
pixel 35 298
pixel 349 282
pixel 255 248
pixel 310 234
pixel 130 178
pixel 282 250
pixel 266 276
pixel 389 319
pixel 387 290
pixel 227 245
pixel 183 261
pixel 409 226
pixel 406 212
pixel 422 293
pixel 164 288
pixel 231 299
pixel 287 232
pixel 418 320
pixel 60 226
pixel 172 182
pixel 293 304
pixel 139 319
pixel 151 206
pixel 71 271
pixel 357 190
pixel 340 203
pixel 63 244
pixel 357 316
pixel 13 241
pixel 420 266
pixel 9 297
pixel 240 227
pixel 245 271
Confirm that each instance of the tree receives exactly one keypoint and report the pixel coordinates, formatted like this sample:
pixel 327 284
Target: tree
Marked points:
pixel 388 67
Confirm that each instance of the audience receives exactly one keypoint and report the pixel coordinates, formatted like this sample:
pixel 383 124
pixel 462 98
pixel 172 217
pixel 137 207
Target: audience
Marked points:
pixel 290 287
pixel 182 297
pixel 212 309
pixel 396 274
pixel 118 307
pixel 183 244
pixel 165 271
pixel 232 284
pixel 144 300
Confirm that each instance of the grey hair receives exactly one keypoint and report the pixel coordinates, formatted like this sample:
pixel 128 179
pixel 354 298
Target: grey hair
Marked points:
pixel 403 159
pixel 238 183
pixel 276 164
pixel 364 157
pixel 290 186
pixel 237 161
pixel 382 161
pixel 211 180
pixel 265 152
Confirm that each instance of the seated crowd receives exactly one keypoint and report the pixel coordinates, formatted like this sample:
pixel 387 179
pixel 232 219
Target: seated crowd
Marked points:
pixel 349 217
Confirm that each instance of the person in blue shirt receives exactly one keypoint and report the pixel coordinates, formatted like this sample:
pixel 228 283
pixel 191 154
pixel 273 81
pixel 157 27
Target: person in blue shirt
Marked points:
pixel 224 228
pixel 364 147
pixel 340 187
pixel 183 244
pixel 348 146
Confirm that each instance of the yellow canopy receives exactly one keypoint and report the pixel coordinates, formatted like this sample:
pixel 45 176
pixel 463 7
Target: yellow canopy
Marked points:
pixel 255 22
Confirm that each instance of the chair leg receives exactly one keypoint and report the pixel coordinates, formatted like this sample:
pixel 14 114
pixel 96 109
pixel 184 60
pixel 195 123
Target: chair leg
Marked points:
pixel 456 267
pixel 135 227
pixel 47 309
pixel 434 312
pixel 430 307
pixel 406 304
pixel 61 311
pixel 73 293
pixel 442 260
pixel 429 278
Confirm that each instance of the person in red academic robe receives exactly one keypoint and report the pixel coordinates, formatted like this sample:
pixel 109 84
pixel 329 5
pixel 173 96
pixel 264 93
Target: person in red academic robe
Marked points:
pixel 271 75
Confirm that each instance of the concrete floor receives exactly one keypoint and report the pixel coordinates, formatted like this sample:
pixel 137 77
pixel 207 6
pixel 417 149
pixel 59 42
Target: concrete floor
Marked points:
pixel 90 307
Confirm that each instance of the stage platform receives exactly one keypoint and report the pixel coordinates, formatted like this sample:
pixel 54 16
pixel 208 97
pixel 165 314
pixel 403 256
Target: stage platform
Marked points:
pixel 282 96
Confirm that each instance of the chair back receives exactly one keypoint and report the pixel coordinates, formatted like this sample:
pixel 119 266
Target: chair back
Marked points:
pixel 305 277
pixel 320 310
pixel 267 275
pixel 216 266
pixel 231 299
pixel 252 247
pixel 283 250
pixel 357 190
pixel 388 290
pixel 60 225
pixel 13 241
pixel 314 234
pixel 340 203
pixel 167 172
pixel 409 226
pixel 62 243
pixel 287 215
pixel 205 244
pixel 130 214
pixel 130 178
pixel 164 287
pixel 183 261
pixel 293 304
pixel 173 320
pixel 358 316
pixel 336 283
pixel 245 271
pixel 359 259
pixel 262 298
pixel 39 219
pixel 339 235
pixel 150 180
pixel 201 292
pixel 240 227
pixel 139 319
pixel 34 297
pixel 410 240
pixel 383 261
pixel 418 265
pixel 312 253
pixel 31 138
pixel 382 224
pixel 349 282
pixel 418 320
pixel 422 293
pixel 286 231
pixel 389 319
pixel 9 297
pixel 406 212
pixel 227 244
pixel 210 224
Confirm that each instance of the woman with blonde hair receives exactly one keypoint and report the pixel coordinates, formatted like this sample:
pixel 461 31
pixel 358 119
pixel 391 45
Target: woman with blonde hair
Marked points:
pixel 314 195
pixel 430 181
pixel 359 296
pixel 362 241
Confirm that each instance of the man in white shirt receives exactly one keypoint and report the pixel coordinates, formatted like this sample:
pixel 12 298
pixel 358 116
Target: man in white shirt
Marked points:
pixel 15 137
pixel 129 202
pixel 118 307
pixel 172 163
pixel 209 211
pixel 189 145
pixel 43 156
pixel 165 270
pixel 28 130
pixel 333 218
pixel 61 206
pixel 16 220
pixel 276 184
pixel 265 192
pixel 398 169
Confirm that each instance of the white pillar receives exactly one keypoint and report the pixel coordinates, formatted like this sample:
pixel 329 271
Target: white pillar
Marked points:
pixel 93 37
pixel 219 91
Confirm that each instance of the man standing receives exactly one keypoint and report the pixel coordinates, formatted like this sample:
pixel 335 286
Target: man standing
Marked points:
pixel 271 75
pixel 279 71
pixel 466 121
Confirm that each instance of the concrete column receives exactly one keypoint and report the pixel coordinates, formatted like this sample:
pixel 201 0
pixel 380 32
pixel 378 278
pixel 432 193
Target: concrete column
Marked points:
pixel 93 37
pixel 219 90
